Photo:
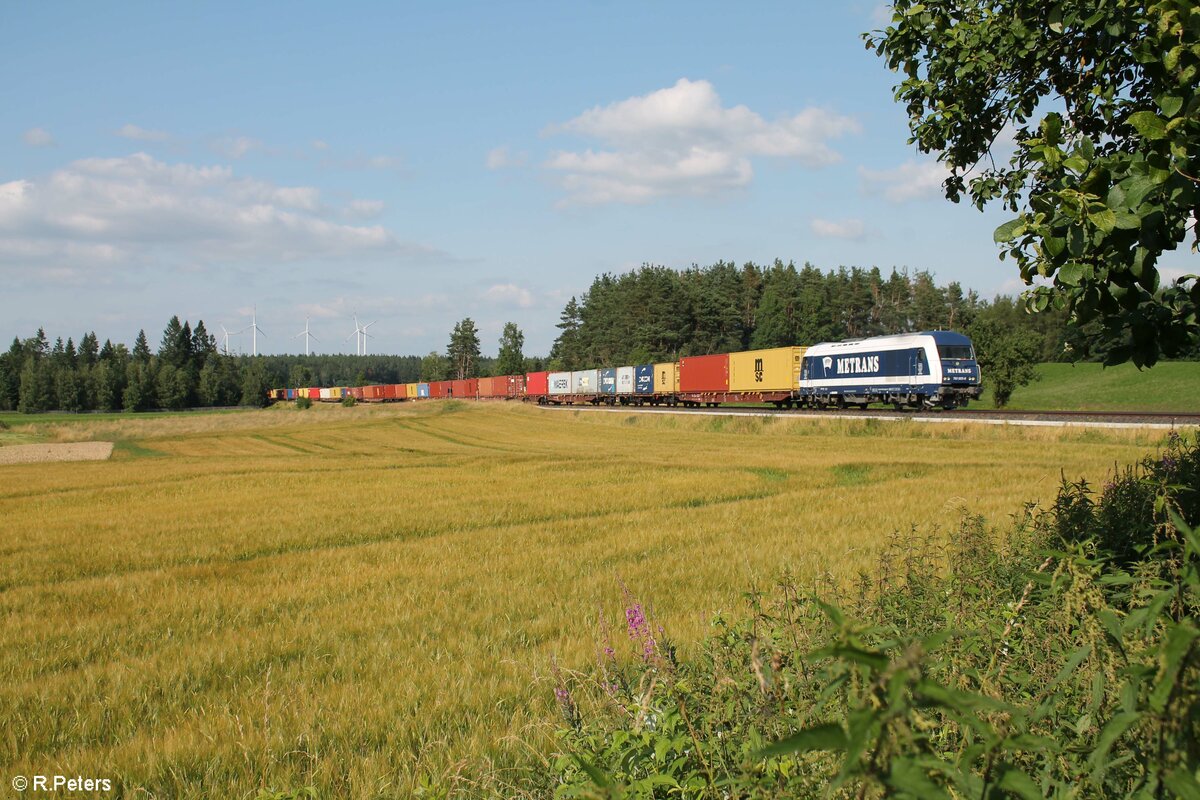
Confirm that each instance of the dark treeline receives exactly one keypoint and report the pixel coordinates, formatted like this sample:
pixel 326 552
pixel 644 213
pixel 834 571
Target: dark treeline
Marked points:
pixel 655 313
pixel 186 371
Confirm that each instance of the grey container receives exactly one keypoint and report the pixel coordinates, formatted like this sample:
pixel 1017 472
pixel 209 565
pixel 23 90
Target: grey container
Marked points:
pixel 559 383
pixel 585 381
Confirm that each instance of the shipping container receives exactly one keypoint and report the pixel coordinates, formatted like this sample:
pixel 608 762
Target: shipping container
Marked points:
pixel 585 381
pixel 423 390
pixel 291 394
pixel 608 381
pixel 559 382
pixel 704 373
pixel 439 389
pixel 485 387
pixel 515 385
pixel 643 379
pixel 412 390
pixel 666 377
pixel 537 384
pixel 372 392
pixel 774 370
pixel 625 380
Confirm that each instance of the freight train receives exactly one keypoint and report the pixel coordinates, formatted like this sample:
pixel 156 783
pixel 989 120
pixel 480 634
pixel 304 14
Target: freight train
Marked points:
pixel 934 369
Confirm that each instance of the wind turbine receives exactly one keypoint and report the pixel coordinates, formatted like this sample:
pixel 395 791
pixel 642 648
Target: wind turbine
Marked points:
pixel 306 336
pixel 358 332
pixel 227 335
pixel 254 327
pixel 366 336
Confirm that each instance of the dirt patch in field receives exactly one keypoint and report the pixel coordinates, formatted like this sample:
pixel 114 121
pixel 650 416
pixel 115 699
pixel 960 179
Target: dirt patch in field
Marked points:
pixel 38 453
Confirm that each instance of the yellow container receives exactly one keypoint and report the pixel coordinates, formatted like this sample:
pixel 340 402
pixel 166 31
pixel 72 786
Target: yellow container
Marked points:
pixel 666 377
pixel 774 370
pixel 410 390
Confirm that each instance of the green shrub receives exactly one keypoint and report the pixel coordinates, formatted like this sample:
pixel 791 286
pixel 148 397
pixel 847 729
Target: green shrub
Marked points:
pixel 303 403
pixel 349 401
pixel 1058 660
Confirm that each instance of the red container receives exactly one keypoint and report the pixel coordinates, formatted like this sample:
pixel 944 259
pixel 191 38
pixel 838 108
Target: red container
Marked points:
pixel 467 389
pixel 537 384
pixel 393 391
pixel 704 373
pixel 439 388
pixel 373 392
pixel 515 385
pixel 487 387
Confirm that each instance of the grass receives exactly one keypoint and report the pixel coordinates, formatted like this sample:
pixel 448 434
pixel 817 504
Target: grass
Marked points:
pixel 1170 386
pixel 360 598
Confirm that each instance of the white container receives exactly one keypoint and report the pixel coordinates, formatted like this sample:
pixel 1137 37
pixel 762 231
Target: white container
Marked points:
pixel 625 383
pixel 559 382
pixel 585 381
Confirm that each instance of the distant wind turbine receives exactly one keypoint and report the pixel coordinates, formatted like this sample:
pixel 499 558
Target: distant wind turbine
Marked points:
pixel 254 327
pixel 306 336
pixel 366 336
pixel 358 332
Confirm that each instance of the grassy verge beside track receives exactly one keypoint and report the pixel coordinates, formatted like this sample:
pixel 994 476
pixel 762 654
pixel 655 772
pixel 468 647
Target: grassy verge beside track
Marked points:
pixel 353 598
pixel 1170 386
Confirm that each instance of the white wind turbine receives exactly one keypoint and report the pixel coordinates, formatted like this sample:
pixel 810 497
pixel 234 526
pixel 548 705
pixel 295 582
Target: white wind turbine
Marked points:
pixel 306 336
pixel 358 332
pixel 227 335
pixel 254 327
pixel 366 336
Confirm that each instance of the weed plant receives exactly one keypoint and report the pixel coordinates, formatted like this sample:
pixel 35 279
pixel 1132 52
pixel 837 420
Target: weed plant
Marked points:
pixel 1059 660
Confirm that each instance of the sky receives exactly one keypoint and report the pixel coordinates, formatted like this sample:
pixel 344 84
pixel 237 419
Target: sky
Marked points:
pixel 417 163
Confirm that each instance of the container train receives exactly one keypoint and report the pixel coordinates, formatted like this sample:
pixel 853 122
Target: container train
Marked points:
pixel 934 369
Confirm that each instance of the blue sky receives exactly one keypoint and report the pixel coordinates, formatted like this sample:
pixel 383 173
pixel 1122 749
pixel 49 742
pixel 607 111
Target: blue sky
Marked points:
pixel 418 163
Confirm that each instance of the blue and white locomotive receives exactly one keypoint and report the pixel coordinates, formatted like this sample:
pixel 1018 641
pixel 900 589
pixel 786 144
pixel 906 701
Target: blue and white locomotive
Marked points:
pixel 918 370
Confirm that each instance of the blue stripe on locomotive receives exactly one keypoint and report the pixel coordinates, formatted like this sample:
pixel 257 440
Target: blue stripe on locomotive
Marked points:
pixel 870 364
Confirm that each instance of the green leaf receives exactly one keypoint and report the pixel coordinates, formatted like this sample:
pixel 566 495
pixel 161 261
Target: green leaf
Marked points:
pixel 1104 220
pixel 1127 221
pixel 1071 273
pixel 1169 104
pixel 1182 784
pixel 908 776
pixel 1017 782
pixel 1009 230
pixel 1148 125
pixel 826 736
pixel 1113 730
pixel 1178 644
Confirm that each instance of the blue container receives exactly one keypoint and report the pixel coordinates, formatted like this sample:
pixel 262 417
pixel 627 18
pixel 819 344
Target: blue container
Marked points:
pixel 643 379
pixel 291 394
pixel 608 381
pixel 422 390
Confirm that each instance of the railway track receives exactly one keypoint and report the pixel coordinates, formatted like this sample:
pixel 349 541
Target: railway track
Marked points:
pixel 1098 419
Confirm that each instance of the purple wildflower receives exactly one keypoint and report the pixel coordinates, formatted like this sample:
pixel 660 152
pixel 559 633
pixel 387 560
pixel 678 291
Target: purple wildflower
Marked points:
pixel 1169 463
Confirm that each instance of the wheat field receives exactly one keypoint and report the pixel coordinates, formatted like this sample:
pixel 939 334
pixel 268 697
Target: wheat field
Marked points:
pixel 367 600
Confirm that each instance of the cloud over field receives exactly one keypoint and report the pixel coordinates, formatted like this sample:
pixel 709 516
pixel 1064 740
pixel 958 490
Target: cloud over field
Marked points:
pixel 136 210
pixel 682 141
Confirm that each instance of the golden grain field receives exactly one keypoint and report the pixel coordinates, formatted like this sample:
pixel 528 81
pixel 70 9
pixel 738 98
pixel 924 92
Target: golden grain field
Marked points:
pixel 358 599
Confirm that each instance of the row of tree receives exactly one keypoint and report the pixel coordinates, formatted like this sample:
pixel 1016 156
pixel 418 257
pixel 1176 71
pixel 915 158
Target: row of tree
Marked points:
pixel 463 358
pixel 186 371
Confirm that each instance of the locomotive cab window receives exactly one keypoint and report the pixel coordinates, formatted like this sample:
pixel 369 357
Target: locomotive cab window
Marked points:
pixel 955 351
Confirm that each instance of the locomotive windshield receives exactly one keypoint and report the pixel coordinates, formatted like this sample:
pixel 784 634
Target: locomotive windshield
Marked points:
pixel 955 351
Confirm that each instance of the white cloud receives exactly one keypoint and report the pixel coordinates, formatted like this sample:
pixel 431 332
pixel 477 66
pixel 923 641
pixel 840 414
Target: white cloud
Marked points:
pixel 501 158
pixel 138 211
pixel 38 137
pixel 509 294
pixel 235 146
pixel 131 131
pixel 364 209
pixel 840 229
pixel 912 180
pixel 682 141
pixel 320 144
